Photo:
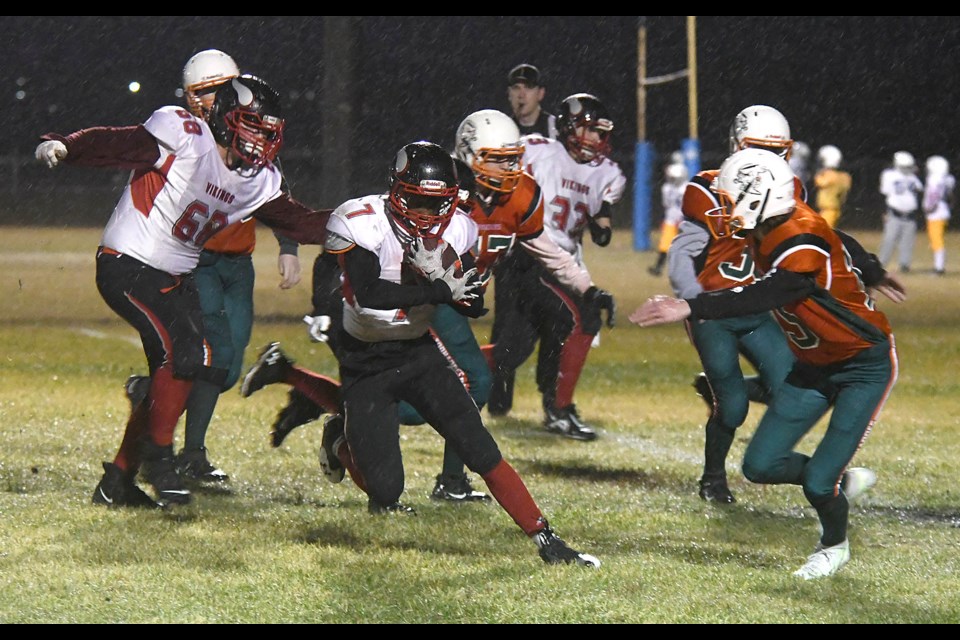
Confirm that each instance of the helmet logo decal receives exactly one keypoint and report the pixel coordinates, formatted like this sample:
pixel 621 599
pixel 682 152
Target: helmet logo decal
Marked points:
pixel 244 94
pixel 433 185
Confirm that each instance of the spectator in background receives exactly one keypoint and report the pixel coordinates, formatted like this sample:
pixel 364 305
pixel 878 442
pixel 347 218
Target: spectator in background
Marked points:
pixel 937 201
pixel 833 185
pixel 525 92
pixel 901 187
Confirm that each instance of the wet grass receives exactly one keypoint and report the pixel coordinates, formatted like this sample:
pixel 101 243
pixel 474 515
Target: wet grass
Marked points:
pixel 283 545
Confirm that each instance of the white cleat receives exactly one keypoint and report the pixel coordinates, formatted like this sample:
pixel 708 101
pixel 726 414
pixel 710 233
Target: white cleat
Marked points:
pixel 825 561
pixel 857 481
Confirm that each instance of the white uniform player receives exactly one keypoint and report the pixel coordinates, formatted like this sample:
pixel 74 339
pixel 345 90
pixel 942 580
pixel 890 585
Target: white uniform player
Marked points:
pixel 373 231
pixel 937 199
pixel 188 181
pixel 574 192
pixel 901 189
pixel 166 214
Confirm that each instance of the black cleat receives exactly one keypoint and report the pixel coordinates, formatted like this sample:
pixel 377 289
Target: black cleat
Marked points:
pixel 329 443
pixel 566 422
pixel 379 509
pixel 271 367
pixel 194 465
pixel 299 411
pixel 702 385
pixel 115 489
pixel 160 470
pixel 553 550
pixel 716 491
pixel 457 489
pixel 654 271
pixel 136 389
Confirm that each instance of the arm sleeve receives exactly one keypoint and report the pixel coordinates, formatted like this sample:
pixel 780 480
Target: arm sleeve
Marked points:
pixel 117 147
pixel 871 271
pixel 558 262
pixel 287 246
pixel 362 268
pixel 777 289
pixel 681 259
pixel 294 220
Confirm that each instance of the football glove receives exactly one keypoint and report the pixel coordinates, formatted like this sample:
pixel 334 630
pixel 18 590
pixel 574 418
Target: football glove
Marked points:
pixel 462 288
pixel 599 300
pixel 318 327
pixel 429 262
pixel 51 152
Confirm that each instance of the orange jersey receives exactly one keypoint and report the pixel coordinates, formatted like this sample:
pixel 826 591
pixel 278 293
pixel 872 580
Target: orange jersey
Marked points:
pixel 726 261
pixel 838 320
pixel 520 217
pixel 237 239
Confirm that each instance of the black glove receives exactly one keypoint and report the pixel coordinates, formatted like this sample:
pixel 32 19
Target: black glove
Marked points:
pixel 599 300
pixel 600 235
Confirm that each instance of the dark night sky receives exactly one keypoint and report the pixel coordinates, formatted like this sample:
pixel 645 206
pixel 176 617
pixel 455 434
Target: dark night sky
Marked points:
pixel 870 85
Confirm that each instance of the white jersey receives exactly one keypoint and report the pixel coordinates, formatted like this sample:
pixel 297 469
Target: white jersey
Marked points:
pixel 166 213
pixel 671 196
pixel 572 192
pixel 901 190
pixel 365 223
pixel 936 196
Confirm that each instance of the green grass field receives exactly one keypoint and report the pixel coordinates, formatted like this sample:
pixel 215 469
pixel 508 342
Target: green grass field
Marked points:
pixel 283 545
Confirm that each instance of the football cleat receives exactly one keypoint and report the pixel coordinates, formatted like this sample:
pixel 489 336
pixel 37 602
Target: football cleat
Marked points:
pixel 271 367
pixel 566 422
pixel 716 491
pixel 330 442
pixel 193 464
pixel 457 489
pixel 553 550
pixel 825 561
pixel 299 411
pixel 115 489
pixel 160 470
pixel 857 481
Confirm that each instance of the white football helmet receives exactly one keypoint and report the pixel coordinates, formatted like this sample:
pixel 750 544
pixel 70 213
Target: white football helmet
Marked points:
pixel 202 74
pixel 760 126
pixel 800 150
pixel 829 157
pixel 488 141
pixel 937 166
pixel 753 185
pixel 676 173
pixel 903 160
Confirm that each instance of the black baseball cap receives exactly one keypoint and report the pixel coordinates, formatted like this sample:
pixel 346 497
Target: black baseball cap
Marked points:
pixel 525 73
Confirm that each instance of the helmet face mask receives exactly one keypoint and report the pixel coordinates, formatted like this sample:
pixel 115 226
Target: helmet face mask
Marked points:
pixel 202 75
pixel 488 141
pixel 584 128
pixel 761 127
pixel 424 191
pixel 245 119
pixel 754 185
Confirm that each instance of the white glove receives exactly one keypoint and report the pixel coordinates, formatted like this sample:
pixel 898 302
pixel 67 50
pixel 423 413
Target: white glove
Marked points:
pixel 426 261
pixel 51 152
pixel 461 289
pixel 319 325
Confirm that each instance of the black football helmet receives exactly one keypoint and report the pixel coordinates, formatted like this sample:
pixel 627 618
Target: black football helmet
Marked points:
pixel 424 191
pixel 582 110
pixel 245 118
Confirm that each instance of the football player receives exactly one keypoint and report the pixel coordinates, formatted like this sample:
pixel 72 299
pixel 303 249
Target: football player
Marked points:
pixel 704 257
pixel 580 183
pixel 671 197
pixel 937 200
pixel 225 280
pixel 391 249
pixel 190 179
pixel 833 184
pixel 901 189
pixel 845 352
